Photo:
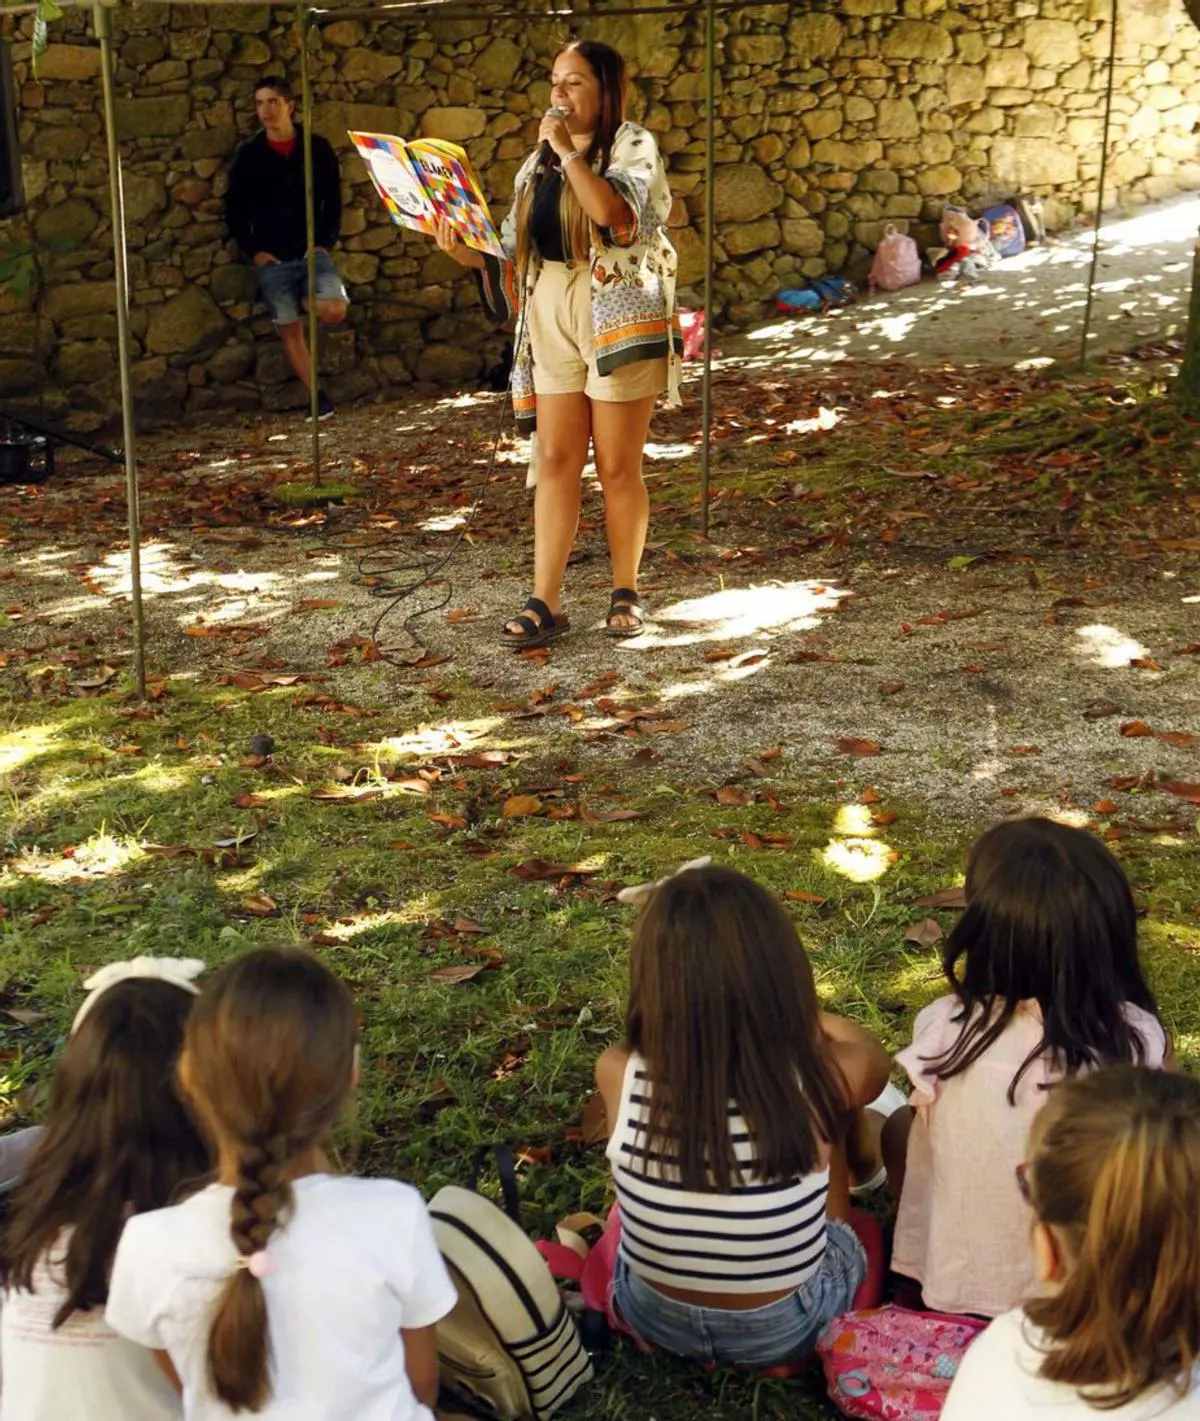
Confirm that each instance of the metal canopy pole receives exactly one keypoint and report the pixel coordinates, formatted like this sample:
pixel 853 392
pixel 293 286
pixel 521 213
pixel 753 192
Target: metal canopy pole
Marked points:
pixel 1108 99
pixel 310 222
pixel 710 67
pixel 102 19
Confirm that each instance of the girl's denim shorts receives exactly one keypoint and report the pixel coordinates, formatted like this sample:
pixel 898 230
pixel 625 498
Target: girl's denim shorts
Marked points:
pixel 783 1331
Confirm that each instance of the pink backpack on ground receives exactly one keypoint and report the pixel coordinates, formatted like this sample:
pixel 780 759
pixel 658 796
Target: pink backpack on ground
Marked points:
pixel 897 262
pixel 890 1364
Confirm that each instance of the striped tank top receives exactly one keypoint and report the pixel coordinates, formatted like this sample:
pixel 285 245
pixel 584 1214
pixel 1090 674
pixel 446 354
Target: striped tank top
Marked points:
pixel 758 1238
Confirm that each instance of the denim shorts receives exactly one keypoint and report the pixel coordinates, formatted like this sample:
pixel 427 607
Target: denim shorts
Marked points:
pixel 783 1331
pixel 283 285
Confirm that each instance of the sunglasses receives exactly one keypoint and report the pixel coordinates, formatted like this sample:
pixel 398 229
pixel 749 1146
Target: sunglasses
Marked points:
pixel 1022 1172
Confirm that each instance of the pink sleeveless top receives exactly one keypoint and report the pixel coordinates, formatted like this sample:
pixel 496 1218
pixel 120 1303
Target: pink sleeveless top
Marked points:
pixel 963 1229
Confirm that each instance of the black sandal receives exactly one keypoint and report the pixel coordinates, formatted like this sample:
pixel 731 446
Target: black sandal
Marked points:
pixel 546 629
pixel 625 602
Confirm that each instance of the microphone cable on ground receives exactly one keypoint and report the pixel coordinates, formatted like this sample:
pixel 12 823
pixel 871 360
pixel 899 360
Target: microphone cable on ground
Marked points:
pixel 425 568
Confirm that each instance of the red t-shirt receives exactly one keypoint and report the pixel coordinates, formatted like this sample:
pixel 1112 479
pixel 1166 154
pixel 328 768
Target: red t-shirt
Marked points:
pixel 282 146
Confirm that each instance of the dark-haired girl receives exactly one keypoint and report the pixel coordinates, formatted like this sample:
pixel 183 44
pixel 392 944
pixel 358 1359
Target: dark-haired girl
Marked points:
pixel 1046 983
pixel 591 271
pixel 283 1290
pixel 117 1141
pixel 727 1106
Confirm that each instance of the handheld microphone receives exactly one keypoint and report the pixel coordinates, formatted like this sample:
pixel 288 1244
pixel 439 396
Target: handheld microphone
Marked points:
pixel 546 153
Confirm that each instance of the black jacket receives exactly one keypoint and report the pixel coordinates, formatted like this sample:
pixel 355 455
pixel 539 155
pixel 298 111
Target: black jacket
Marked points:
pixel 264 207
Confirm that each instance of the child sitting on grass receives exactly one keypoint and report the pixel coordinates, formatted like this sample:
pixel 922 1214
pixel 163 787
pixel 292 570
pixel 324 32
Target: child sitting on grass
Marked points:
pixel 1046 983
pixel 117 1142
pixel 728 1105
pixel 283 1289
pixel 1111 1185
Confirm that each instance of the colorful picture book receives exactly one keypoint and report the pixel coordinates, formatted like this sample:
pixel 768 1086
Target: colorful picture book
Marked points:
pixel 422 181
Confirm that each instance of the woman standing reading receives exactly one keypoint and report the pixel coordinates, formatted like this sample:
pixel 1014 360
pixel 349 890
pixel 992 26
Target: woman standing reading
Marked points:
pixel 591 272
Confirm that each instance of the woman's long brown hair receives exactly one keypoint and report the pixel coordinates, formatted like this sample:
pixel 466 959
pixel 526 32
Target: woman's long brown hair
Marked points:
pixel 1115 1173
pixel 723 1007
pixel 118 1140
pixel 268 1063
pixel 578 230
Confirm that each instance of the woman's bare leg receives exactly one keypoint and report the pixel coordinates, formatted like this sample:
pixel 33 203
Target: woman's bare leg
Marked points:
pixel 564 429
pixel 619 436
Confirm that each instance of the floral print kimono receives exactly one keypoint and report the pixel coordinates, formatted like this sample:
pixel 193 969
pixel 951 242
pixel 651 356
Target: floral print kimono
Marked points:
pixel 632 275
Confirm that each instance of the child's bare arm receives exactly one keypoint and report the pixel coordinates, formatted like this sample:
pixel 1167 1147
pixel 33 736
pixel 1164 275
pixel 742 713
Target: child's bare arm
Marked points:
pixel 610 1076
pixel 421 1362
pixel 865 1065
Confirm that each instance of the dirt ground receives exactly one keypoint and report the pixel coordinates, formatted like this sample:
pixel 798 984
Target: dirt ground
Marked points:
pixel 994 673
pixel 1027 308
pixel 990 648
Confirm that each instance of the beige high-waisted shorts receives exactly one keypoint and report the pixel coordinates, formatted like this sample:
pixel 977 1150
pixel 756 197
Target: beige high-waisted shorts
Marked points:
pixel 564 354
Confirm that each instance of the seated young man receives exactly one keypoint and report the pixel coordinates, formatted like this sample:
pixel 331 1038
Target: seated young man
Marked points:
pixel 266 216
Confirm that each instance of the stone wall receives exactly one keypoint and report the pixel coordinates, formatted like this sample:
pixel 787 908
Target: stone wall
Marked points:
pixel 829 126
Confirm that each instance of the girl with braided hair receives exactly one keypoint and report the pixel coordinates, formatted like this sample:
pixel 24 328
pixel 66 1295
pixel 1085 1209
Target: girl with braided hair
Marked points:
pixel 282 1289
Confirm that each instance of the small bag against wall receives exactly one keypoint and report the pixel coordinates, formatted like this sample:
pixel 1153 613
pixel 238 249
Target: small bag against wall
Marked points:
pixel 897 262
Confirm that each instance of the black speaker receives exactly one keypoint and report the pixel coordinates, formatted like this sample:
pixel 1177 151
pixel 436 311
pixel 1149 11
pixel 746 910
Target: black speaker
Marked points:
pixel 12 195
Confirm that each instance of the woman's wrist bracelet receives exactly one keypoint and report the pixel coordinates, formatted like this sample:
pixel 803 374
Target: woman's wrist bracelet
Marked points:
pixel 570 158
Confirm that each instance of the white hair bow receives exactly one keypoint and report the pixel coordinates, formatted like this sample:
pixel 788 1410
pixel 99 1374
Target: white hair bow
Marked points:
pixel 179 971
pixel 639 892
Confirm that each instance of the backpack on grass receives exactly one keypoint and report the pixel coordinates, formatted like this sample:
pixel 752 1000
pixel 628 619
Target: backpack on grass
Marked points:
pixel 890 1362
pixel 509 1347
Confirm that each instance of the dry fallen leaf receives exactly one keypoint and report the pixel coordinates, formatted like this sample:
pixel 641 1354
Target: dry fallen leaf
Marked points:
pixel 891 688
pixel 546 869
pixel 1181 739
pixel 924 933
pixel 1023 750
pixel 610 816
pixel 1145 663
pixel 23 1016
pixel 1190 792
pixel 449 821
pixel 1135 729
pixel 734 796
pixel 316 604
pixel 520 805
pixel 798 895
pixel 943 898
pixel 852 745
pixel 458 972
pixel 258 905
pixel 467 925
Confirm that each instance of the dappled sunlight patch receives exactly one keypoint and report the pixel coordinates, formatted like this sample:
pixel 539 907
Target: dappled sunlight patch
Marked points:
pixel 99 856
pixel 443 739
pixel 19 747
pixel 346 928
pixel 856 851
pixel 859 860
pixel 753 611
pixel 1107 646
pixel 443 522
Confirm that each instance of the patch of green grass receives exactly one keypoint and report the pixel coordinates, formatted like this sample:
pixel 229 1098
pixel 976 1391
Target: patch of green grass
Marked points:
pixel 380 885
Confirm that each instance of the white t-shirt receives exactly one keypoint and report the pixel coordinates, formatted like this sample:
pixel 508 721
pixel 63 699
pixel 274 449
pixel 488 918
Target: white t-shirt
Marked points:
pixel 82 1371
pixel 998 1381
pixel 354 1264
